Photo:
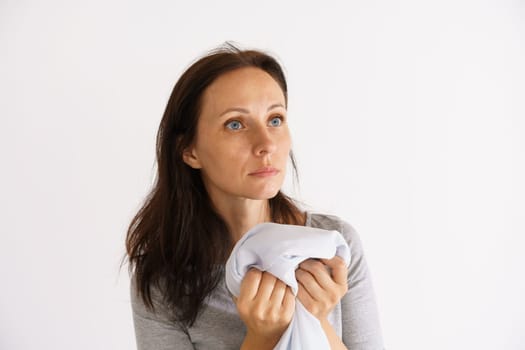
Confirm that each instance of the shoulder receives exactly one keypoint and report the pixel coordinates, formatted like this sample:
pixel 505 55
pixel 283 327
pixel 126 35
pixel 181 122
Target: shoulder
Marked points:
pixel 357 271
pixel 158 310
pixel 334 222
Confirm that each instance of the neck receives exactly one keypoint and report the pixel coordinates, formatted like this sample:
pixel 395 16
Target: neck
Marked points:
pixel 241 214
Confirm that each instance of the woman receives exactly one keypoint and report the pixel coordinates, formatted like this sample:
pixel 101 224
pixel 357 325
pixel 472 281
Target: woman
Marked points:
pixel 222 150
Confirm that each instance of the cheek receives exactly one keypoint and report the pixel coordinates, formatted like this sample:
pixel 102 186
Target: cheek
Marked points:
pixel 285 143
pixel 222 158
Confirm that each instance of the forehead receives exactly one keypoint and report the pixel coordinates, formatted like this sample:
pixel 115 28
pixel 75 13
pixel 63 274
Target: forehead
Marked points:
pixel 243 86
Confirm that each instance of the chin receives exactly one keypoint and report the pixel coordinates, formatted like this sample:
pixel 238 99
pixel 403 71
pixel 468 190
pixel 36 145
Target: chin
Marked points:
pixel 267 194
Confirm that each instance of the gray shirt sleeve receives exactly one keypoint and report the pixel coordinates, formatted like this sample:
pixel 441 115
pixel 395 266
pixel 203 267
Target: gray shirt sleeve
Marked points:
pixel 361 327
pixel 154 330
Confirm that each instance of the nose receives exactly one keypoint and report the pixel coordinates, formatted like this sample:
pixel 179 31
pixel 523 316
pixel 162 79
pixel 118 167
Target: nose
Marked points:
pixel 264 142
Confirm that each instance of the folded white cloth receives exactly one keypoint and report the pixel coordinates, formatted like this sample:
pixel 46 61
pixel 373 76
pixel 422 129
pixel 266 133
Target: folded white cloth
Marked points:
pixel 279 249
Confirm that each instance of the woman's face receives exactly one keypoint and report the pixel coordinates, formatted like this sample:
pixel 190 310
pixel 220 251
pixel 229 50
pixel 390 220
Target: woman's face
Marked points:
pixel 242 129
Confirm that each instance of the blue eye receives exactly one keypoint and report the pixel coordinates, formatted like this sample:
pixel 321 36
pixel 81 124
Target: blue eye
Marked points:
pixel 277 121
pixel 234 125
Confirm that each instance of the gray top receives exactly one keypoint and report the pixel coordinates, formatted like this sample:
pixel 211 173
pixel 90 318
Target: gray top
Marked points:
pixel 219 327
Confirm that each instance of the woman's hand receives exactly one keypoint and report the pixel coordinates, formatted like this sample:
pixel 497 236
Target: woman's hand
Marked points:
pixel 266 305
pixel 320 289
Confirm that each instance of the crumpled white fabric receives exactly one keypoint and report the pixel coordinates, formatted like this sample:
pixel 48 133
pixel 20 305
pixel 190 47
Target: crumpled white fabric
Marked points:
pixel 279 249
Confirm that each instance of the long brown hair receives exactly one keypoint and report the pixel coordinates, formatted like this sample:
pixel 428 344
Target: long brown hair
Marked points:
pixel 177 241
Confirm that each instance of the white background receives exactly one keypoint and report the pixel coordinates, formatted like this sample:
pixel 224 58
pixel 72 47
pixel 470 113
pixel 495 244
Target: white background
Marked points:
pixel 407 119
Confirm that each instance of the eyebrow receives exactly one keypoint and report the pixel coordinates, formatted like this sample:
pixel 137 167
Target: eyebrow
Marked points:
pixel 243 110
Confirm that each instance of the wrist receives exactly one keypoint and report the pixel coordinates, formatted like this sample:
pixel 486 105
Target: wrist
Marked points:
pixel 324 322
pixel 327 327
pixel 331 335
pixel 253 341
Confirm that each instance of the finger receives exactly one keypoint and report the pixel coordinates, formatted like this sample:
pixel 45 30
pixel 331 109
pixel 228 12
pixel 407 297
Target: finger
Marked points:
pixel 288 302
pixel 319 271
pixel 250 284
pixel 314 289
pixel 278 293
pixel 339 269
pixel 266 286
pixel 303 296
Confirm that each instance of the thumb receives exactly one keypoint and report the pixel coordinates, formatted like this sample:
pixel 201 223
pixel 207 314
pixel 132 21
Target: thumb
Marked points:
pixel 338 267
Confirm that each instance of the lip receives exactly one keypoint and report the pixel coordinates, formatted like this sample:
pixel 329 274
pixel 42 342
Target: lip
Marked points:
pixel 266 171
